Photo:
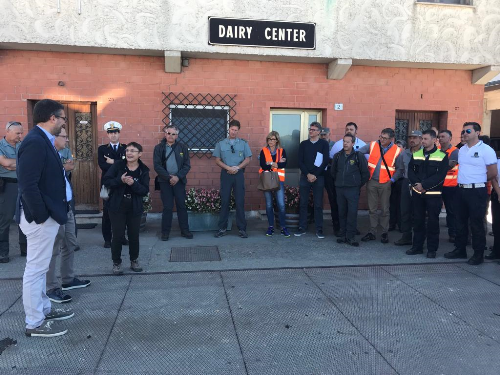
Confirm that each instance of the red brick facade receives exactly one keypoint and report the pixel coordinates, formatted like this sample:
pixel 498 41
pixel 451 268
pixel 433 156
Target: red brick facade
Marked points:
pixel 128 89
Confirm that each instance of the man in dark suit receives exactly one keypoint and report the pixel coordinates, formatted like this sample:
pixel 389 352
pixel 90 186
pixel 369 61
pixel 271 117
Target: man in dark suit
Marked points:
pixel 171 161
pixel 106 156
pixel 42 206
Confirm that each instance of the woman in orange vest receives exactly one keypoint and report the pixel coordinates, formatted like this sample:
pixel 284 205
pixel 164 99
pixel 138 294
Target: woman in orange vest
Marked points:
pixel 273 157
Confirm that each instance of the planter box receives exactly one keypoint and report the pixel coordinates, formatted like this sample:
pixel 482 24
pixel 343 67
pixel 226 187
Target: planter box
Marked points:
pixel 203 221
pixel 292 220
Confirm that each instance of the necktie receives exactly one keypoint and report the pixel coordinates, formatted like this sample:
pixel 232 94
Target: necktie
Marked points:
pixel 115 147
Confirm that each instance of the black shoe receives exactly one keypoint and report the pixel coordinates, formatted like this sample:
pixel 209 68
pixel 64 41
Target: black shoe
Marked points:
pixel 220 233
pixel 492 256
pixel 341 240
pixel 242 233
pixel 475 260
pixel 299 232
pixel 403 241
pixel 107 244
pixel 392 228
pixel 352 242
pixel 76 284
pixel 125 241
pixel 431 254
pixel 414 251
pixel 456 254
pixel 319 233
pixel 77 248
pixel 4 260
pixel 368 237
pixel 164 236
pixel 58 296
pixel 187 234
pixel 384 238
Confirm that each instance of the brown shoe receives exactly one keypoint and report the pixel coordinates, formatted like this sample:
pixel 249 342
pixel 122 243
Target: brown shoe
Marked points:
pixel 134 266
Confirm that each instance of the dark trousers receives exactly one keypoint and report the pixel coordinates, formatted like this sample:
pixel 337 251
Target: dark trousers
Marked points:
pixel 168 193
pixel 317 189
pixel 7 209
pixel 495 213
pixel 235 183
pixel 448 195
pixel 431 205
pixel 395 208
pixel 119 220
pixel 406 208
pixel 470 204
pixel 332 198
pixel 347 200
pixel 106 223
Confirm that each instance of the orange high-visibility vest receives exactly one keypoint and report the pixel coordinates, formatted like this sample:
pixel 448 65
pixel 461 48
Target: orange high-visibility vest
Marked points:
pixel 390 158
pixel 451 176
pixel 269 159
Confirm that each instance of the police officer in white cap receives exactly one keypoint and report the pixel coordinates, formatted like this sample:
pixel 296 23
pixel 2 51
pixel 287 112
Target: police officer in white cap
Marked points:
pixel 106 156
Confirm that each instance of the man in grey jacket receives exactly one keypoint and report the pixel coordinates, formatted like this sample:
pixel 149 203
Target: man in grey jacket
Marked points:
pixel 171 162
pixel 350 173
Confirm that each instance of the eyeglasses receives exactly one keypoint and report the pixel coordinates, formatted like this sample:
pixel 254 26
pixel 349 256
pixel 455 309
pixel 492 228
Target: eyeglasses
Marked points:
pixel 14 123
pixel 384 138
pixel 64 118
pixel 271 139
pixel 313 130
pixel 171 133
pixel 468 131
pixel 232 149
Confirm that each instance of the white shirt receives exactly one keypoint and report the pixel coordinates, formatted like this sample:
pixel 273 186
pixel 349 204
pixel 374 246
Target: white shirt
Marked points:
pixel 472 163
pixel 339 145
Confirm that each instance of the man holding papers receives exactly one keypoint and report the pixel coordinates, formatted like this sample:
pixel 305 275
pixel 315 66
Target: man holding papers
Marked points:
pixel 313 159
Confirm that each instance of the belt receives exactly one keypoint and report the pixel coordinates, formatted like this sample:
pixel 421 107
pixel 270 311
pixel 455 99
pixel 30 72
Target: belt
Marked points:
pixel 9 179
pixel 472 186
pixel 128 196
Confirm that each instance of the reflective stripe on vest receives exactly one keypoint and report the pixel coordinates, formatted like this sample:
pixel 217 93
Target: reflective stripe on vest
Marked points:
pixel 269 159
pixel 451 176
pixel 390 158
pixel 438 156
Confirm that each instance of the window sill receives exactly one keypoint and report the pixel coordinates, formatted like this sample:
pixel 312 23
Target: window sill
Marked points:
pixel 446 5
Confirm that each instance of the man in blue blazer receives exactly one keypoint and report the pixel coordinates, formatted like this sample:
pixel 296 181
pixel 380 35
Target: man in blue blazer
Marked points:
pixel 42 207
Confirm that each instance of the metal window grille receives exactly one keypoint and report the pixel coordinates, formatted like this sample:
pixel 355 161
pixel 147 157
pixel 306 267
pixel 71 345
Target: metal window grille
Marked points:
pixel 202 119
pixel 402 130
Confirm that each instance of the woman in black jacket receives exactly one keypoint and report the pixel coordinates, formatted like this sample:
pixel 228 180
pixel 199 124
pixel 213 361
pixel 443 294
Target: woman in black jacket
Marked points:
pixel 128 181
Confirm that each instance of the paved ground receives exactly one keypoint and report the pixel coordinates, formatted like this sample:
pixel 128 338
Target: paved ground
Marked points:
pixel 270 306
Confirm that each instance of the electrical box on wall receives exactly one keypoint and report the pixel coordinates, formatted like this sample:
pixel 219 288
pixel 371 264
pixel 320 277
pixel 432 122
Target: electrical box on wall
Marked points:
pixel 339 106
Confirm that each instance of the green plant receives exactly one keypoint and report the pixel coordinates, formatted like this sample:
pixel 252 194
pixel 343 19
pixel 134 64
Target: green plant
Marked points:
pixel 147 203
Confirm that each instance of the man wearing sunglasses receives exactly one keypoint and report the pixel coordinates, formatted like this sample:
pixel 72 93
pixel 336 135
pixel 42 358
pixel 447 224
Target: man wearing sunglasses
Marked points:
pixel 106 156
pixel 9 147
pixel 386 166
pixel 171 162
pixel 478 164
pixel 232 155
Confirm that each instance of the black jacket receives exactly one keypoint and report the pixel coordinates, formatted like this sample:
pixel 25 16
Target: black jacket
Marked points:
pixel 107 150
pixel 350 170
pixel 113 180
pixel 41 183
pixel 181 154
pixel 430 173
pixel 307 156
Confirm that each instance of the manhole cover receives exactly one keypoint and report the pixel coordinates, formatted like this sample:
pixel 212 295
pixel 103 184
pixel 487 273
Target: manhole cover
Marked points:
pixel 195 254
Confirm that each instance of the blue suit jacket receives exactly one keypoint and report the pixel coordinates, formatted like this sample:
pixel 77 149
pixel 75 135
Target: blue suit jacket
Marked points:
pixel 41 184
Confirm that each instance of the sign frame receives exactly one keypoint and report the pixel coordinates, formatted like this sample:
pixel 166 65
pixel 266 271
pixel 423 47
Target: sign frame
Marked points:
pixel 258 45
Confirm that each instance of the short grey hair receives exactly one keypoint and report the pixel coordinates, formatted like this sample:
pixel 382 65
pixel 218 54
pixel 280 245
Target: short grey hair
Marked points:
pixel 171 126
pixel 12 123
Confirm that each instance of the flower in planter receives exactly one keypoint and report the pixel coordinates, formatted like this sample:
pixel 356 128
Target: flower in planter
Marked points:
pixel 205 200
pixel 292 199
pixel 147 203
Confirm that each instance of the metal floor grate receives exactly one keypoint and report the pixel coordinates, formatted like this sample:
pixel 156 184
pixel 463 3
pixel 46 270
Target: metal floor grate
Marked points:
pixel 195 254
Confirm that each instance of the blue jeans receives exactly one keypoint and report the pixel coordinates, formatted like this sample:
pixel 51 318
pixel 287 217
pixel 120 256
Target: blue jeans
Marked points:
pixel 280 199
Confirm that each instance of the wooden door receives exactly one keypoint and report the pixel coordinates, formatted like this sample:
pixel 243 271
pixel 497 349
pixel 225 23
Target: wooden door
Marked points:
pixel 82 133
pixel 406 121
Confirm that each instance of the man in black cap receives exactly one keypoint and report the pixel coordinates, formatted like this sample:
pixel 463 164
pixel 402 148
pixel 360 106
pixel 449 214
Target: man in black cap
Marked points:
pixel 106 156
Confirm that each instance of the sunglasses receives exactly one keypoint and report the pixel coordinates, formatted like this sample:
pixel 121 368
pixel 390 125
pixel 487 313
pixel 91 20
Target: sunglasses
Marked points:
pixel 171 133
pixel 468 131
pixel 15 123
pixel 232 149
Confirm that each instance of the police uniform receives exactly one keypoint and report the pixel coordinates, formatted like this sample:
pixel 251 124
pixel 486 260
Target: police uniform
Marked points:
pixel 8 196
pixel 232 154
pixel 471 200
pixel 428 168
pixel 115 152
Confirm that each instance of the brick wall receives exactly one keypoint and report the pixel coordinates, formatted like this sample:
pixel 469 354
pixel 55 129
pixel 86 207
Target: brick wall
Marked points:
pixel 128 89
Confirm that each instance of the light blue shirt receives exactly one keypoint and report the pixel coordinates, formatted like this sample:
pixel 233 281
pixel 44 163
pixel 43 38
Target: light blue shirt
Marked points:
pixel 69 192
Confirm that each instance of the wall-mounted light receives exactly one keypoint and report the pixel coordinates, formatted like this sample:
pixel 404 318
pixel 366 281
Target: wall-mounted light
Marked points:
pixel 60 83
pixel 185 62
